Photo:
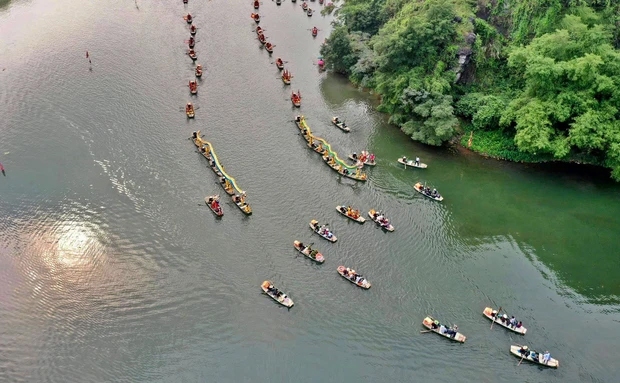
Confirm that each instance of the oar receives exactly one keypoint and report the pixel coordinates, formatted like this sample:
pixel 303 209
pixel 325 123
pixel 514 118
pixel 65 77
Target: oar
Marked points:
pixel 498 311
pixel 425 331
pixel 521 360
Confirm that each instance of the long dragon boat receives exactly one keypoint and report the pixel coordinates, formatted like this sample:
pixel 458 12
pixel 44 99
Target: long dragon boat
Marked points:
pixel 330 157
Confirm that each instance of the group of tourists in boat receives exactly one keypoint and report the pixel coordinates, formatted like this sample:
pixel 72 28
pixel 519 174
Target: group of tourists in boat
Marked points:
pixel 380 219
pixel 286 77
pixel 256 4
pixel 279 63
pixel 352 276
pixel 198 70
pixel 414 164
pixel 214 204
pixel 309 252
pixel 189 110
pixel 427 192
pixel 296 98
pixel 193 86
pixel 323 231
pixel 340 124
pixel 276 294
pixel 364 158
pixel 315 31
pixel 449 332
pixel 255 17
pixel 525 353
pixel 351 213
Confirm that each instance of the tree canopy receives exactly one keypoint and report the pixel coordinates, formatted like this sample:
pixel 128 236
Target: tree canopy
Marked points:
pixel 543 75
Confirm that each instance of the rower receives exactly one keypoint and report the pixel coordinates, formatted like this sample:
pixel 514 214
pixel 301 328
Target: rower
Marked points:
pixel 494 313
pixel 523 350
pixel 354 155
pixel 404 159
pixel 546 357
pixel 417 161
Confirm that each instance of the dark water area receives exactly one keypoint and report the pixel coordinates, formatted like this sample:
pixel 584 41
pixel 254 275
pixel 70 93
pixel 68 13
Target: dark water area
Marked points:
pixel 112 269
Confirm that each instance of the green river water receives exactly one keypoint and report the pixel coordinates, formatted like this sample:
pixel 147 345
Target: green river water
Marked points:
pixel 113 270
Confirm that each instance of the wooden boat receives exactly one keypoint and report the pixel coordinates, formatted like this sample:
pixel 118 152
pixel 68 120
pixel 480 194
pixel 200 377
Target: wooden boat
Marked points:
pixel 256 4
pixel 213 202
pixel 488 312
pixel 188 18
pixel 191 42
pixel 198 70
pixel 192 55
pixel 193 87
pixel 223 181
pixel 340 124
pixel 304 6
pixel 189 110
pixel 357 217
pixel 321 2
pixel 286 77
pixel 315 31
pixel 279 63
pixel 434 326
pixel 533 356
pixel 374 215
pixel 255 17
pixel 262 39
pixel 193 30
pixel 314 225
pixel 309 252
pixel 296 99
pixel 410 163
pixel 309 12
pixel 364 158
pixel 278 2
pixel 259 31
pixel 276 295
pixel 420 189
pixel 351 276
pixel 269 47
pixel 239 200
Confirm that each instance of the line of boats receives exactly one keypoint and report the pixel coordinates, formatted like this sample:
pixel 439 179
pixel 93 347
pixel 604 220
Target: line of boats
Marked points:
pixel 330 157
pixel 190 111
pixel 229 184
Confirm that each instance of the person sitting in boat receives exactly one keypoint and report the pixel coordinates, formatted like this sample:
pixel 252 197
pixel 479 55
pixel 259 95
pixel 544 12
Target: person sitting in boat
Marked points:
pixel 442 329
pixel 435 325
pixel 371 158
pixel 354 155
pixel 519 324
pixel 504 317
pixel 313 253
pixel 435 194
pixel 345 172
pixel 452 331
pixel 417 161
pixel 513 322
pixel 404 159
pixel 524 350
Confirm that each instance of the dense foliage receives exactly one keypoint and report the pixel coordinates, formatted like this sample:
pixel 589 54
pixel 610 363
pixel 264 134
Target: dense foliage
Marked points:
pixel 524 80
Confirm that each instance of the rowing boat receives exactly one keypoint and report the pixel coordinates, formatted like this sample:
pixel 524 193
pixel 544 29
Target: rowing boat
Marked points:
pixel 309 12
pixel 189 110
pixel 256 4
pixel 192 55
pixel 309 252
pixel 193 87
pixel 276 295
pixel 269 47
pixel 279 63
pixel 533 356
pixel 488 312
pixel 352 277
pixel 344 211
pixel 286 77
pixel 340 124
pixel 374 215
pixel 428 322
pixel 241 204
pixel 296 99
pixel 420 189
pixel 213 202
pixel 255 17
pixel 198 70
pixel 192 30
pixel 314 225
pixel 412 164
pixel 259 31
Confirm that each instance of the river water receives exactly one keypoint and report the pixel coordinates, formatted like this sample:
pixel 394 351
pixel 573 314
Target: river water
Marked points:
pixel 113 270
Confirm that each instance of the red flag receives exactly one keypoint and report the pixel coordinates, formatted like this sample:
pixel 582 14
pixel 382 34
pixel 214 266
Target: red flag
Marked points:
pixel 86 54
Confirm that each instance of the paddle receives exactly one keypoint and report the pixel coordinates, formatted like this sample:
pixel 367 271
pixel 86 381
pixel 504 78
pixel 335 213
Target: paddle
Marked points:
pixel 498 311
pixel 425 331
pixel 521 360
